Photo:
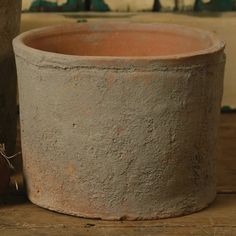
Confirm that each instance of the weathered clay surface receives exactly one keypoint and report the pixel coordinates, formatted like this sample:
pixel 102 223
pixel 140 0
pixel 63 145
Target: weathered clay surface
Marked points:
pixel 9 28
pixel 120 137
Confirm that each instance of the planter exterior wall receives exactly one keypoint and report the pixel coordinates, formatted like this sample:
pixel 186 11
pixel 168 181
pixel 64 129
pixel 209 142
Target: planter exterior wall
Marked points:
pixel 128 137
pixel 9 28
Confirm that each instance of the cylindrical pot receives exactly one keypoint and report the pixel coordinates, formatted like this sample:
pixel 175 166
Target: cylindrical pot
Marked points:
pixel 119 121
pixel 9 28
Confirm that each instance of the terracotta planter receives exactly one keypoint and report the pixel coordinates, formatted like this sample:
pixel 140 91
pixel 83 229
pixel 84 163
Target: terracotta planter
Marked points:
pixel 9 28
pixel 119 121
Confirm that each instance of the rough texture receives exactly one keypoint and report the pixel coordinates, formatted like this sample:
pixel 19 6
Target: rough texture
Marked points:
pixel 119 138
pixel 20 218
pixel 9 28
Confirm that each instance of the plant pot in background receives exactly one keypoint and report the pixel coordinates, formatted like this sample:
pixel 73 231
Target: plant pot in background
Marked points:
pixel 119 121
pixel 9 27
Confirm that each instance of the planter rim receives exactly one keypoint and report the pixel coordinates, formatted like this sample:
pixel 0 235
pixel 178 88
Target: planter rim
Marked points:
pixel 42 58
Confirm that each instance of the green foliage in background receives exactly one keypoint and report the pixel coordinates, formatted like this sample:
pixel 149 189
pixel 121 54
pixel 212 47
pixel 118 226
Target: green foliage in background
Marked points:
pixel 42 5
pixel 70 5
pixel 215 5
pixel 101 5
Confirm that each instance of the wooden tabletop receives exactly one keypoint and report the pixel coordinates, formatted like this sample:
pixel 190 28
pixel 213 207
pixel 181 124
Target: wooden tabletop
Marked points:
pixel 22 219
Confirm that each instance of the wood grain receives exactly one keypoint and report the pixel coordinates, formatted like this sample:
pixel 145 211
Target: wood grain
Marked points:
pixel 24 218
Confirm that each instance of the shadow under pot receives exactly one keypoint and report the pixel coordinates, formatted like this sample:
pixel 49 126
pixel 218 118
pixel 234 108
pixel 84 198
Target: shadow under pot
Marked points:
pixel 119 121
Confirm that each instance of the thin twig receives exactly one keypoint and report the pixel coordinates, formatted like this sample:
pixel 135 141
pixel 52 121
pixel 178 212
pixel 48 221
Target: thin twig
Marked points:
pixel 7 159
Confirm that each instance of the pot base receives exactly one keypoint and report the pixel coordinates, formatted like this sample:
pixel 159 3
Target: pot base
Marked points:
pixel 127 217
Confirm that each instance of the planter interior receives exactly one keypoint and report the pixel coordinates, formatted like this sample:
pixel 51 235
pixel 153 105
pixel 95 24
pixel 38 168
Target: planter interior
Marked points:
pixel 118 41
